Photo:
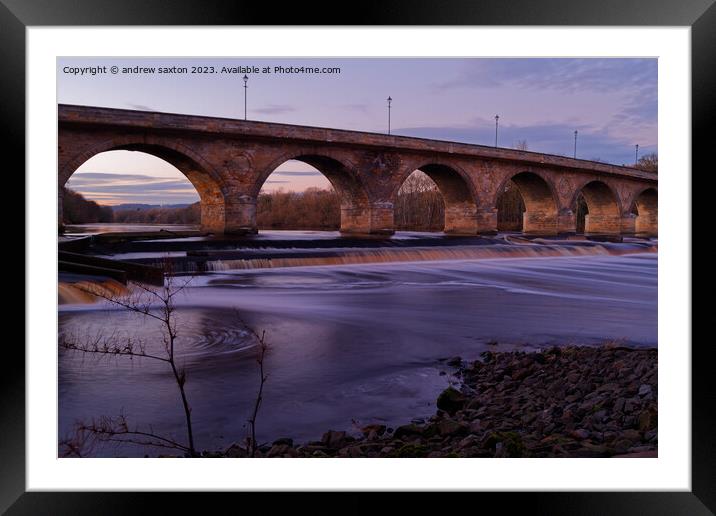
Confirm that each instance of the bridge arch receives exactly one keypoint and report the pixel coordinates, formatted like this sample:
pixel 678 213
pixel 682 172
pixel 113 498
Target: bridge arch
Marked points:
pixel 603 208
pixel 200 174
pixel 457 190
pixel 354 200
pixel 646 207
pixel 540 202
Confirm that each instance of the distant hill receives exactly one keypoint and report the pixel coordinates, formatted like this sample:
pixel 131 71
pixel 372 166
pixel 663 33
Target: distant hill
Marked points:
pixel 135 206
pixel 78 210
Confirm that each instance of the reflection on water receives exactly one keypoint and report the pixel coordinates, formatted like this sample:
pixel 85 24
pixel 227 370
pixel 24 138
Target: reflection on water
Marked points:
pixel 93 229
pixel 352 342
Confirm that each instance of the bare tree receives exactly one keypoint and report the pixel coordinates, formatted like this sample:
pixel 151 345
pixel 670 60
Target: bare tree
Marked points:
pixel 419 204
pixel 158 304
pixel 154 303
pixel 251 442
pixel 521 145
pixel 649 162
pixel 510 208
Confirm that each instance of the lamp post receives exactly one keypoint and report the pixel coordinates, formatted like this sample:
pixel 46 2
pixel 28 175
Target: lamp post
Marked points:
pixel 497 119
pixel 575 144
pixel 389 101
pixel 246 80
pixel 636 155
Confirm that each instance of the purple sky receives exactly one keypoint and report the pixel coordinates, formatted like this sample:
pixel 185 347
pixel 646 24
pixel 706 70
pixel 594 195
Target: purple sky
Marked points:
pixel 611 102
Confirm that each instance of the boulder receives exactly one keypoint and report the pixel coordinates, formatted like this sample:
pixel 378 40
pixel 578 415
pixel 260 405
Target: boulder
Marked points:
pixel 408 431
pixel 334 438
pixel 451 400
pixel 374 429
pixel 450 427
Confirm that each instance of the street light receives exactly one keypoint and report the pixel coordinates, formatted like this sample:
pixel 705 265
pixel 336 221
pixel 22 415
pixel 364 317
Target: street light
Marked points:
pixel 389 101
pixel 497 119
pixel 575 144
pixel 246 79
pixel 636 155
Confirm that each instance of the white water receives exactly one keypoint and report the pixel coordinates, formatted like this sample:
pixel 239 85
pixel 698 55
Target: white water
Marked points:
pixel 349 342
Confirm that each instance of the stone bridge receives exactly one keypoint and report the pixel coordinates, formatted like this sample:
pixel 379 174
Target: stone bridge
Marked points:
pixel 229 160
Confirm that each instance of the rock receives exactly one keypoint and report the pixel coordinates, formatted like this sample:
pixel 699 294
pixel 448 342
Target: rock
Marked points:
pixel 410 451
pixel 630 405
pixel 450 427
pixel 593 450
pixel 605 407
pixel 639 449
pixel 521 374
pixel 236 451
pixel 468 441
pixel 350 451
pixel 473 404
pixel 599 415
pixel 609 387
pixel 373 429
pixel 334 439
pixel 580 434
pixel 644 420
pixel 277 450
pixel 454 362
pixel 284 440
pixel 408 431
pixel 573 378
pixel 646 454
pixel 309 449
pixel 451 400
pixel 631 434
pixel 475 426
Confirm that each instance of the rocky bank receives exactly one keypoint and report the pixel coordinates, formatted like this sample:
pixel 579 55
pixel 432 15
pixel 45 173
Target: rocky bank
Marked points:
pixel 559 402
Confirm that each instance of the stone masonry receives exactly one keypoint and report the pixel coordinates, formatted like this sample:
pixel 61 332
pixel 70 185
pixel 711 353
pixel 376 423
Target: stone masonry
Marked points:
pixel 228 161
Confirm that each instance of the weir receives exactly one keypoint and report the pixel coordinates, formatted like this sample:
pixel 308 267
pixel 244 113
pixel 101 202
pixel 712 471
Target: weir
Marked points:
pixel 225 260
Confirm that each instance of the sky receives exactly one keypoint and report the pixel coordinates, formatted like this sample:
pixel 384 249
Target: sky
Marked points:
pixel 611 102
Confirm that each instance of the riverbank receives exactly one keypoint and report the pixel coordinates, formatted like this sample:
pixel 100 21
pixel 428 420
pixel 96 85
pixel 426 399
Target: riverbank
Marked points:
pixel 559 402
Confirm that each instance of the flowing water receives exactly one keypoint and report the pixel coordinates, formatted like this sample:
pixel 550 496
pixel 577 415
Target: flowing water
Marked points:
pixel 350 343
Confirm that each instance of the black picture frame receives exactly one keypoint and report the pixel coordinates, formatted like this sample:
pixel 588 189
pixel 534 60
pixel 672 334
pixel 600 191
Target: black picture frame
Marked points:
pixel 17 15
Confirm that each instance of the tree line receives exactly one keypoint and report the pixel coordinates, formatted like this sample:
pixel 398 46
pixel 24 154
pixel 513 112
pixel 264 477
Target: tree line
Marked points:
pixel 419 207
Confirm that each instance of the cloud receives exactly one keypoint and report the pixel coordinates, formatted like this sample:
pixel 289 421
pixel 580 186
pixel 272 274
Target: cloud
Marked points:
pixel 630 84
pixel 115 188
pixel 275 109
pixel 548 138
pixel 566 75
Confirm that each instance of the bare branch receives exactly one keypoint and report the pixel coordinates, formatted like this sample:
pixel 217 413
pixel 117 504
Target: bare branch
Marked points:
pixel 108 429
pixel 108 346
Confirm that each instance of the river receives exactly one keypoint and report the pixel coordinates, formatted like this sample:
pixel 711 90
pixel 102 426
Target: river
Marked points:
pixel 349 344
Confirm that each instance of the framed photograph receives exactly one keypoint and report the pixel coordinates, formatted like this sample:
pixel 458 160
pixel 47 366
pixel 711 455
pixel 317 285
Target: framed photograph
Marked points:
pixel 424 249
